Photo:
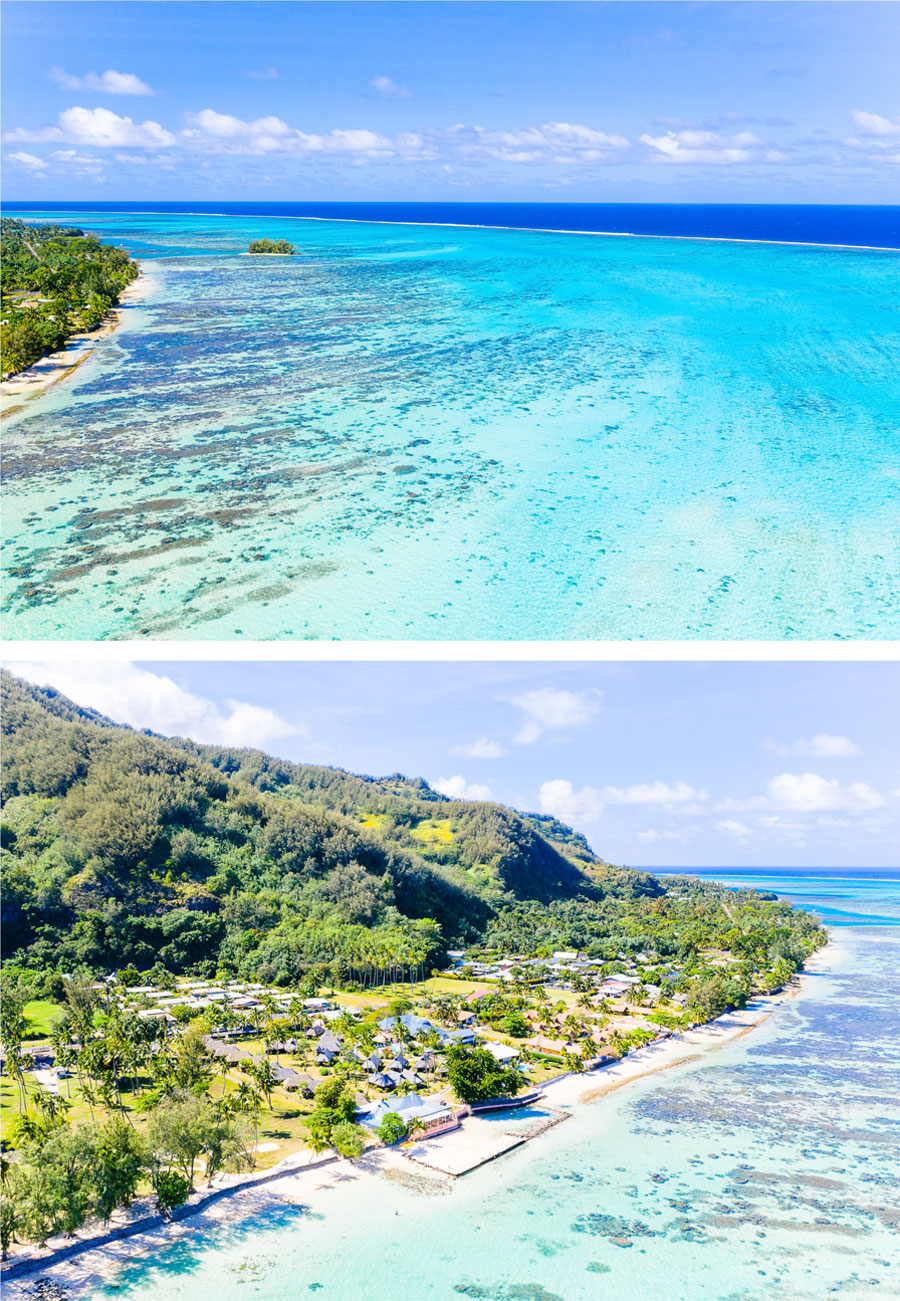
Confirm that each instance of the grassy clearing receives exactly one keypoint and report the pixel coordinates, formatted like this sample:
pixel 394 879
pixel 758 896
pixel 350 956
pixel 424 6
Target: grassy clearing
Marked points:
pixel 434 987
pixel 374 820
pixel 439 831
pixel 42 1016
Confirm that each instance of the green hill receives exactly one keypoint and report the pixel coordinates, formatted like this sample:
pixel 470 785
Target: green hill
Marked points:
pixel 125 847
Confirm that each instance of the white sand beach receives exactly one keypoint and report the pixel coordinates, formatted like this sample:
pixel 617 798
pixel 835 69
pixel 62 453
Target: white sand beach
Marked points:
pixel 57 366
pixel 446 1157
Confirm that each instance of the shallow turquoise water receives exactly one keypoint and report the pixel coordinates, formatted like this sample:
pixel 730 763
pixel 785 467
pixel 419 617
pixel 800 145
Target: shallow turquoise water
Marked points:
pixel 417 432
pixel 766 1171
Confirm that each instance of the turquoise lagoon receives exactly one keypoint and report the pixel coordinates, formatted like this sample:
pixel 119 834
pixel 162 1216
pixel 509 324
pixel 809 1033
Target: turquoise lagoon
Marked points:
pixel 427 432
pixel 767 1170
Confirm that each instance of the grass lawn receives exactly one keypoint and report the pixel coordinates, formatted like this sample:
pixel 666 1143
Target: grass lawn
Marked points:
pixel 541 1071
pixel 41 1016
pixel 435 986
pixel 438 985
pixel 368 1002
pixel 9 1101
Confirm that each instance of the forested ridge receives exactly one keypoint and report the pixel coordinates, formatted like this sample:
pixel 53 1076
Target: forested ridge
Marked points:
pixel 56 281
pixel 124 848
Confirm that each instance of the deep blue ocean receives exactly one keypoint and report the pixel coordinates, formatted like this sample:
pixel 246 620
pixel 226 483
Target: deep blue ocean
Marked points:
pixel 869 226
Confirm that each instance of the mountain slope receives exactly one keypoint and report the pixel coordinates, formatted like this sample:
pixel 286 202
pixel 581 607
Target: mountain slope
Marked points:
pixel 122 847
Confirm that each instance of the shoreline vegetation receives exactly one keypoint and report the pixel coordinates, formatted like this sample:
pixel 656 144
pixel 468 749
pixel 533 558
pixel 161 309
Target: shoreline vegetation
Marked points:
pixel 92 1257
pixel 52 369
pixel 271 248
pixel 57 282
pixel 216 959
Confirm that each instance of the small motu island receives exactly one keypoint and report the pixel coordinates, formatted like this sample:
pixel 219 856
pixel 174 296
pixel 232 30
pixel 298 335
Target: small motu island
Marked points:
pixel 219 962
pixel 281 247
pixel 56 282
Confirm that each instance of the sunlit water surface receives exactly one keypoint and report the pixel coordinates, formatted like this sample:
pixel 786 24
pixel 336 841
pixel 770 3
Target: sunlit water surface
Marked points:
pixel 425 432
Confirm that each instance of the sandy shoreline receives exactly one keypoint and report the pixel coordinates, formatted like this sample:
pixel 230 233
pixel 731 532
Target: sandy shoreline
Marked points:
pixel 57 366
pixel 292 1182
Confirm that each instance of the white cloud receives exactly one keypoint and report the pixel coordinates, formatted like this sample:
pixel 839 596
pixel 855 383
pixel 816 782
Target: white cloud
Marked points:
pixel 107 83
pixel 555 146
pixel 809 793
pixel 264 74
pixel 653 793
pixel 652 834
pixel 746 805
pixel 480 749
pixel 99 127
pixel 553 141
pixel 702 147
pixel 70 160
pixel 457 788
pixel 31 161
pixel 224 133
pixel 549 709
pixel 389 89
pixel 212 132
pixel 821 746
pixel 560 798
pixel 734 828
pixel 132 695
pixel 563 801
pixel 871 124
pixel 224 126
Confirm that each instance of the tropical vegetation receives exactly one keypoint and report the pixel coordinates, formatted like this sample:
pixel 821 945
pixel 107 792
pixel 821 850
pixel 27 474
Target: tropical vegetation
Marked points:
pixel 56 281
pixel 272 246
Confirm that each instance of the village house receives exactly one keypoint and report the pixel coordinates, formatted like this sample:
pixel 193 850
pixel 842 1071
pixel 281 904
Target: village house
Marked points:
pixel 431 1116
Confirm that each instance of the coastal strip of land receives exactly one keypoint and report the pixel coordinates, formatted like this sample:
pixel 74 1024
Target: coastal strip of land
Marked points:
pixel 28 384
pixel 89 1260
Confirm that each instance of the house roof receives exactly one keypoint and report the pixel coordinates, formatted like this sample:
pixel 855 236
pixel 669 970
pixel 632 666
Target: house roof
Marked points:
pixel 502 1052
pixel 409 1105
pixel 287 1075
pixel 381 1081
pixel 462 1036
pixel 416 1025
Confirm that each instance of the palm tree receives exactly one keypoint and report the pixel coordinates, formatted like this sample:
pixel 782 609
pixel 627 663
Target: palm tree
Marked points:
pixel 16 1062
pixel 264 1076
pixel 245 1101
pixel 317 1141
pixel 52 1109
pixel 81 1002
pixel 617 1042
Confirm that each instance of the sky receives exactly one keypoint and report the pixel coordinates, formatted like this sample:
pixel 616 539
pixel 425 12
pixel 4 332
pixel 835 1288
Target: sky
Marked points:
pixel 629 102
pixel 659 764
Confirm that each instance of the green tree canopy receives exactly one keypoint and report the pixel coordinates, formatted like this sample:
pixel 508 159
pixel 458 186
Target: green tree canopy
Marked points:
pixel 475 1075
